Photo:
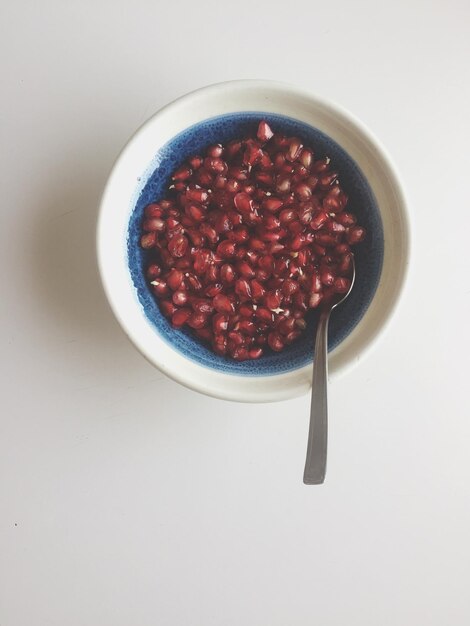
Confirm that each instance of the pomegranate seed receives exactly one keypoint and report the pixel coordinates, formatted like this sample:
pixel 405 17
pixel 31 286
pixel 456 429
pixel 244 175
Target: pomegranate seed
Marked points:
pixel 306 158
pixel 197 194
pixel 286 325
pixel 232 185
pixel 326 276
pixel 209 232
pixel 272 204
pixel 321 165
pixel 202 305
pixel 257 290
pixel 345 264
pixel 178 245
pixel 232 148
pixel 342 284
pixel 226 249
pixel 355 235
pixel 195 162
pixel 196 212
pixel 153 210
pixel 236 338
pixel 243 202
pixel 153 271
pixel 242 288
pixel 346 219
pixel 246 309
pixel 264 314
pixel 213 290
pixel 334 227
pixel 216 165
pixel 287 215
pixel 219 323
pixel 283 184
pixel 197 320
pixel 247 327
pixel 256 244
pixel 240 234
pixel 264 132
pixel 255 353
pixel 238 172
pixel 227 273
pixel 328 179
pixel 202 259
pixel 167 307
pixel 314 300
pixel 215 150
pixel 252 152
pixel 302 191
pixel 148 240
pixel 325 239
pixel 180 297
pixel 182 173
pixel 219 344
pixel 289 287
pixel 180 317
pixel 174 279
pixel 295 149
pixel 153 224
pixel 240 354
pixel 245 269
pixel 292 336
pixel 271 222
pixel 212 274
pixel 222 304
pixel 204 333
pixel 275 341
pixel 220 182
pixel 272 299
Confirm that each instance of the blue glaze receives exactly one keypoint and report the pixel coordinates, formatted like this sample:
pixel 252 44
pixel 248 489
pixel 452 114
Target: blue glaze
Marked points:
pixel 369 254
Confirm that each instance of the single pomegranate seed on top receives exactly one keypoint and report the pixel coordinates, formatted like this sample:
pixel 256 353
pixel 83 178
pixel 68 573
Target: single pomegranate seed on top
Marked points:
pixel 215 151
pixel 243 202
pixel 295 149
pixel 213 290
pixel 153 271
pixel 227 273
pixel 219 323
pixel 326 276
pixel 255 353
pixel 306 158
pixel 264 132
pixel 257 290
pixel 341 284
pixel 272 299
pixel 202 260
pixel 153 224
pixel 195 162
pixel 314 300
pixel 272 204
pixel 197 320
pixel 243 289
pixel 153 210
pixel 167 307
pixel 209 232
pixel 226 249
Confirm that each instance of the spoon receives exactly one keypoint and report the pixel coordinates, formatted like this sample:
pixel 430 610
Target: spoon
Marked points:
pixel 315 465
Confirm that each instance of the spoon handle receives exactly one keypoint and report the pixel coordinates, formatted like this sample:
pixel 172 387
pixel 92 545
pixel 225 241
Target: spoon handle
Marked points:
pixel 315 465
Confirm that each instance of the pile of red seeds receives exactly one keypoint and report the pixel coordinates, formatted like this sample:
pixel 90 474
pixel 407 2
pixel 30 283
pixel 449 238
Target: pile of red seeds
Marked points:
pixel 251 236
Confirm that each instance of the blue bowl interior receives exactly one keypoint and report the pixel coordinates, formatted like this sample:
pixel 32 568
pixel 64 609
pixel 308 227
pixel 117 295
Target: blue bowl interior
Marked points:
pixel 369 254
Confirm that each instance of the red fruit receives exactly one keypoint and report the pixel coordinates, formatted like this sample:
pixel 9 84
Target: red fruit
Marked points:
pixel 215 165
pixel 148 240
pixel 195 162
pixel 342 284
pixel 289 287
pixel 182 173
pixel 178 245
pixel 240 234
pixel 212 274
pixel 326 180
pixel 226 249
pixel 222 304
pixel 219 323
pixel 196 194
pixel 196 212
pixel 174 279
pixel 255 353
pixel 257 290
pixel 153 210
pixel 302 191
pixel 283 184
pixel 275 341
pixel 345 264
pixel 355 235
pixel 202 260
pixel 180 317
pixel 247 327
pixel 263 314
pixel 240 354
pixel 227 273
pixel 213 290
pixel 295 149
pixel 202 305
pixel 180 297
pixel 243 202
pixel 272 299
pixel 306 158
pixel 314 300
pixel 252 152
pixel 326 276
pixel 209 232
pixel 242 288
pixel 153 271
pixel 167 307
pixel 246 309
pixel 160 287
pixel 286 325
pixel 264 133
pixel 215 150
pixel 197 320
pixel 219 344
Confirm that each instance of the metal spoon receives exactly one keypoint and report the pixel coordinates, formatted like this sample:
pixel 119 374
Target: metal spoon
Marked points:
pixel 315 465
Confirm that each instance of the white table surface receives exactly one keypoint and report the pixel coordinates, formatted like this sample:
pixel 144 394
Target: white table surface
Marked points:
pixel 127 500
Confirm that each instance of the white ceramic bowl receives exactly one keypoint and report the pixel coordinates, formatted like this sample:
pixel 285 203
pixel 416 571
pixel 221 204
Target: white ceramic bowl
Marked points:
pixel 143 154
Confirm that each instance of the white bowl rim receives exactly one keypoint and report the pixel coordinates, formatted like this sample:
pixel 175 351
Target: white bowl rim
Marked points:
pixel 226 391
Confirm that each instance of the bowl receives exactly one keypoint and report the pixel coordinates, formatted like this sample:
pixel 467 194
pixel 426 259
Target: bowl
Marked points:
pixel 216 114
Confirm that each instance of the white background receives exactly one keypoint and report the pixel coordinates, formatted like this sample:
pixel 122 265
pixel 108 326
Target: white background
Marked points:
pixel 126 500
